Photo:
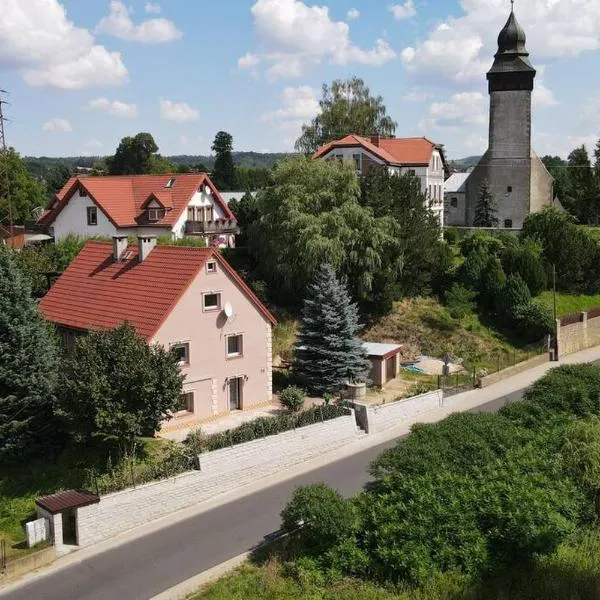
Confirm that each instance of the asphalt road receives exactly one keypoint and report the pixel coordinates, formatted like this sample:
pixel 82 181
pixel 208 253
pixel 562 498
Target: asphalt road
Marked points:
pixel 151 564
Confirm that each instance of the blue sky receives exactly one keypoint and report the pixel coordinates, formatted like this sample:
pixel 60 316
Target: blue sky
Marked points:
pixel 83 74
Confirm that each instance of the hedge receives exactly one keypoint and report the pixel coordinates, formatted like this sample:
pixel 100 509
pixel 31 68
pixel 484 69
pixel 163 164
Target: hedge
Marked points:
pixel 265 426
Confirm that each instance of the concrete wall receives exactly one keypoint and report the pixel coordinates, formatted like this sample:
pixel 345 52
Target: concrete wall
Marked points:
pixel 455 215
pixel 222 471
pixel 518 368
pixel 389 415
pixel 510 124
pixel 20 566
pixel 578 336
pixel 206 332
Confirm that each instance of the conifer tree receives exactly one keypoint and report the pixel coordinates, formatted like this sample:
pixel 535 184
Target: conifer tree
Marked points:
pixel 485 209
pixel 328 352
pixel 28 366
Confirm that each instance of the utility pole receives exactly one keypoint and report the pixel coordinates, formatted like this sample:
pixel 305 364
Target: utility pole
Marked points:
pixel 555 357
pixel 6 167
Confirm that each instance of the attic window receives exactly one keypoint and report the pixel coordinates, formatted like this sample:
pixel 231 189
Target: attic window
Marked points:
pixel 82 193
pixel 154 214
pixel 170 183
pixel 211 267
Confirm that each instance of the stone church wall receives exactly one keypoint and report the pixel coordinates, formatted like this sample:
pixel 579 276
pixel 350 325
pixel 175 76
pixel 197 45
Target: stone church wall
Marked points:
pixel 542 184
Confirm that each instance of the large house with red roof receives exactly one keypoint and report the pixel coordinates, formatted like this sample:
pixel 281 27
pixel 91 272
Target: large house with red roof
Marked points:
pixel 416 156
pixel 186 298
pixel 174 205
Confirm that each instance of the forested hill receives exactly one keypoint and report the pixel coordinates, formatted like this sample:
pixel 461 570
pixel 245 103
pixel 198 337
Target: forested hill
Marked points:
pixel 38 166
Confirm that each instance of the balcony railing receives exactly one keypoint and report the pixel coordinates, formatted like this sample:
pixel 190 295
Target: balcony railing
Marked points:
pixel 218 226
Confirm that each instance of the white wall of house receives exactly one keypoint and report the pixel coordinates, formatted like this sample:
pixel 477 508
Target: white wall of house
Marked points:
pixel 73 219
pixel 200 198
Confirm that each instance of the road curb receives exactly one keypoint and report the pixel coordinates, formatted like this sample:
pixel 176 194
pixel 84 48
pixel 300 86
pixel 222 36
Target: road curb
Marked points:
pixel 189 586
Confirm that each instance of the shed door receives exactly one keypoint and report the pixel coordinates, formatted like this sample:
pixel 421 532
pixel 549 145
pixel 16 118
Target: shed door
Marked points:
pixel 390 368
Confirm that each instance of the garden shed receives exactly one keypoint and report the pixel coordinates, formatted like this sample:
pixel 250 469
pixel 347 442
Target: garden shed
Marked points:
pixel 385 361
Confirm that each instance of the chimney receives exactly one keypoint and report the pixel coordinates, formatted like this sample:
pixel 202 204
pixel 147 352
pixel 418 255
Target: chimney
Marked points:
pixel 146 244
pixel 375 138
pixel 119 246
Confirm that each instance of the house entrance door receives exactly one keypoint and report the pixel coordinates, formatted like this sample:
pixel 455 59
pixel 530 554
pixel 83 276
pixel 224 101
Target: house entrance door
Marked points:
pixel 235 393
pixel 69 524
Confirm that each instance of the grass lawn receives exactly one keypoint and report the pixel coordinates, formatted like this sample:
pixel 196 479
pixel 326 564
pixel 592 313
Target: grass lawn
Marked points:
pixel 22 484
pixel 572 572
pixel 566 303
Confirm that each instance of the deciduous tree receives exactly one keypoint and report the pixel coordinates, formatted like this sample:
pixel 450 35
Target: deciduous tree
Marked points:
pixel 138 155
pixel 115 384
pixel 223 173
pixel 347 107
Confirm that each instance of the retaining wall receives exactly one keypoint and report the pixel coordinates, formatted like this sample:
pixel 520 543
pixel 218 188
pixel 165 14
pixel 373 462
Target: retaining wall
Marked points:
pixel 578 336
pixel 515 370
pixel 384 416
pixel 221 471
pixel 20 566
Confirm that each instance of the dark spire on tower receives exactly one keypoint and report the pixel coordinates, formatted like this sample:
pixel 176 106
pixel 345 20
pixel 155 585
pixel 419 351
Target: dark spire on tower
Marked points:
pixel 511 69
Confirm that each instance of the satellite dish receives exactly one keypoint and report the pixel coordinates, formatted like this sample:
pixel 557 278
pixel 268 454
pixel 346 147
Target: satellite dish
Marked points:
pixel 228 310
pixel 207 190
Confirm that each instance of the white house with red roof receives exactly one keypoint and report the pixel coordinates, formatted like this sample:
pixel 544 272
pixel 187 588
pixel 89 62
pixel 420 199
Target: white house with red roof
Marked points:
pixel 175 205
pixel 186 298
pixel 416 156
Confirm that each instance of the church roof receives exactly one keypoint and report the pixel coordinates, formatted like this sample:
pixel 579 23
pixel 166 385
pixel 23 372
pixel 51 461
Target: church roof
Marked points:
pixel 512 55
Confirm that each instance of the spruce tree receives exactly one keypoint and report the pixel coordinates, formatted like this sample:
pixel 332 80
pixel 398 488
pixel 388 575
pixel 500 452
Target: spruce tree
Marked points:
pixel 328 352
pixel 28 367
pixel 485 209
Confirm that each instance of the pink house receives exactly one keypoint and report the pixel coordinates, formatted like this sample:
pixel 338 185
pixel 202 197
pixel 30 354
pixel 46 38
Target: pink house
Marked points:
pixel 185 298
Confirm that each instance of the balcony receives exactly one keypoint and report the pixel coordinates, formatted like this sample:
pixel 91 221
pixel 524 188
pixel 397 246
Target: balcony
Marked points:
pixel 211 227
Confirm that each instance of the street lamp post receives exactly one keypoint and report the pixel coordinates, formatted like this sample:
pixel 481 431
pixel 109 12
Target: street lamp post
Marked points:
pixel 555 344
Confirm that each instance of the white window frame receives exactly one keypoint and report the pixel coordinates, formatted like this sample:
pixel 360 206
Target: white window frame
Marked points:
pixel 211 266
pixel 238 354
pixel 357 166
pixel 92 210
pixel 154 214
pixel 186 345
pixel 211 308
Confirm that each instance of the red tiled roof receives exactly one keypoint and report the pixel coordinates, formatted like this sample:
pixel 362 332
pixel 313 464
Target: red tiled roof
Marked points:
pixel 123 197
pixel 96 292
pixel 395 151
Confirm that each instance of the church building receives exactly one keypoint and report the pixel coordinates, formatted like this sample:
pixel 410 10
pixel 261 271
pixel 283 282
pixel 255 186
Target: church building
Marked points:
pixel 517 178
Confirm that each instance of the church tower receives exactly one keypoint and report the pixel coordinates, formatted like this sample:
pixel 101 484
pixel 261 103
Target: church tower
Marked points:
pixel 517 178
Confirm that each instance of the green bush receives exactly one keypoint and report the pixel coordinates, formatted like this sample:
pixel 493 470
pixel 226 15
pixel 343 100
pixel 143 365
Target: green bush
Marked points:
pixel 292 397
pixel 534 320
pixel 325 518
pixel 513 295
pixel 460 301
pixel 451 235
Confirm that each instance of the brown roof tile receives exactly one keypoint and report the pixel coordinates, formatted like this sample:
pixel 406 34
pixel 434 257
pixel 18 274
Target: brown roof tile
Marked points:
pixel 56 503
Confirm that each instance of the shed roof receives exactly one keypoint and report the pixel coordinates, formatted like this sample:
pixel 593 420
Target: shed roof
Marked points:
pixel 56 503
pixel 381 350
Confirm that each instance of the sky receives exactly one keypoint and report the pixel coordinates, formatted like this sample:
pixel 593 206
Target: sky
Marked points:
pixel 82 74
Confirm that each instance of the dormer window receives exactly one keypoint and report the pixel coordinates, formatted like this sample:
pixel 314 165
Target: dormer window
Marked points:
pixel 154 214
pixel 170 183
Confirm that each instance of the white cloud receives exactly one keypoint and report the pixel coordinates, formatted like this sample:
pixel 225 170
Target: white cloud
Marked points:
pixel 152 8
pixel 179 112
pixel 57 124
pixel 459 50
pixel 543 96
pixel 295 37
pixel 590 111
pixel 38 40
pixel 299 105
pixel 467 108
pixel 153 31
pixel 248 61
pixel 416 95
pixel 353 13
pixel 116 108
pixel 403 11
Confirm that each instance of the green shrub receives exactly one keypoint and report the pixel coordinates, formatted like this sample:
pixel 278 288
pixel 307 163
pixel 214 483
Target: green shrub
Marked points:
pixel 534 320
pixel 451 235
pixel 325 518
pixel 460 301
pixel 292 397
pixel 512 296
